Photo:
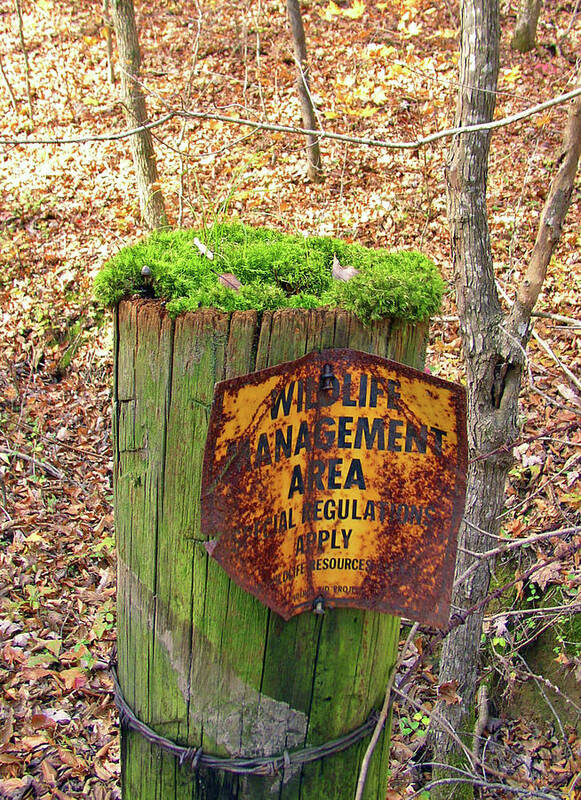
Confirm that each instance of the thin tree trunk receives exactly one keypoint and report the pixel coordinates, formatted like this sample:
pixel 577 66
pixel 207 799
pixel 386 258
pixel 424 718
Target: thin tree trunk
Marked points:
pixel 552 218
pixel 307 108
pixel 494 347
pixel 109 40
pixel 25 54
pixel 525 30
pixel 150 196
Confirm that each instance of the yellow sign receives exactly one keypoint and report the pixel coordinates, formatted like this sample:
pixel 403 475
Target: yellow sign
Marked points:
pixel 338 479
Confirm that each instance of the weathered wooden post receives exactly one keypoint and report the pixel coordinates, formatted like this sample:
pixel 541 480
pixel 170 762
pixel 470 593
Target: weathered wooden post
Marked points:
pixel 202 662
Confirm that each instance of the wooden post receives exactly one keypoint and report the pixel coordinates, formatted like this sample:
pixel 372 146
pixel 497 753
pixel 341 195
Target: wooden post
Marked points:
pixel 201 661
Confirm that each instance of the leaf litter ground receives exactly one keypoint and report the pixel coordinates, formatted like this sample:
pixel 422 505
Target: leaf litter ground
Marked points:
pixel 381 70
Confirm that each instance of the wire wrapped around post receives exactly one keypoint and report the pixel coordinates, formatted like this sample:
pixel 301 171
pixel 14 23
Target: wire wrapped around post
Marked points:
pixel 195 758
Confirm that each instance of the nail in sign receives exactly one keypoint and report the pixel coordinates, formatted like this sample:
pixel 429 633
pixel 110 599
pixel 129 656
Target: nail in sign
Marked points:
pixel 338 480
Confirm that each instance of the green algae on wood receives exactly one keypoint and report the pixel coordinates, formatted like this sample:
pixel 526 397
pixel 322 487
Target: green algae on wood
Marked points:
pixel 200 660
pixel 276 271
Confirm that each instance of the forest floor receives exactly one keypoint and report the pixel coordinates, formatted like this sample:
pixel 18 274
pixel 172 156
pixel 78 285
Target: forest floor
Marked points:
pixel 381 70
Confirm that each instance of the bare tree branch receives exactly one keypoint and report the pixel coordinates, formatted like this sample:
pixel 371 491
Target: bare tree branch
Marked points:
pixel 8 86
pixel 552 218
pixel 25 54
pixel 517 543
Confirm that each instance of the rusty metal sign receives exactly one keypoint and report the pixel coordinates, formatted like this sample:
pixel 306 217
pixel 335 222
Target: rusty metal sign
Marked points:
pixel 337 480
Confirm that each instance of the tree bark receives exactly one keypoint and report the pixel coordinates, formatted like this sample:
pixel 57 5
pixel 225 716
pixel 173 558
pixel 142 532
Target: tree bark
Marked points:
pixel 307 110
pixel 494 347
pixel 150 196
pixel 525 29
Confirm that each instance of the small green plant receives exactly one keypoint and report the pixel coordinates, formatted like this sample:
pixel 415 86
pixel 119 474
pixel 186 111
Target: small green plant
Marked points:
pixel 104 621
pixel 532 593
pixel 105 546
pixel 416 725
pixel 50 502
pixel 86 659
pixel 35 594
pixel 568 637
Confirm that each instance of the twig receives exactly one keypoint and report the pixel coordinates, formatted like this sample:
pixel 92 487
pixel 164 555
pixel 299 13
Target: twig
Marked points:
pixel 474 781
pixel 178 149
pixel 481 720
pixel 8 86
pixel 499 123
pixel 551 400
pixel 521 440
pixel 545 625
pixel 383 714
pixel 474 762
pixel 571 23
pixel 257 56
pixel 433 713
pixel 516 543
pixel 571 375
pixel 570 608
pixel 109 39
pixel 574 323
pixel 56 443
pixel 548 702
pixel 528 673
pixel 485 767
pixel 44 465
pixel 460 618
pixel 547 483
pixel 388 144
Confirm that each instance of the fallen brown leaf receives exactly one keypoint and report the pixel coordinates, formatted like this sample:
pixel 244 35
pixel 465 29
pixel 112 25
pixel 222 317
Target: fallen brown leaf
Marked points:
pixel 447 693
pixel 229 280
pixel 7 728
pixel 49 773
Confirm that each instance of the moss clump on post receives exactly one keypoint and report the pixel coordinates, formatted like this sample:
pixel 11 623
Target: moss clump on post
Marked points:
pixel 276 271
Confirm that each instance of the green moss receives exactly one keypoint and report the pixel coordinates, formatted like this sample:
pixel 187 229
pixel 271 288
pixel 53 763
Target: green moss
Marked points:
pixel 276 271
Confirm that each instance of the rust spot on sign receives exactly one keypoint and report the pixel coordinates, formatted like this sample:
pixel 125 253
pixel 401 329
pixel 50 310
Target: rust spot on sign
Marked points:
pixel 338 480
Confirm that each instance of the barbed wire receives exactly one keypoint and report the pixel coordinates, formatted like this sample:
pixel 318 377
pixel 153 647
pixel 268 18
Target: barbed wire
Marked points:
pixel 290 129
pixel 101 137
pixel 195 758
